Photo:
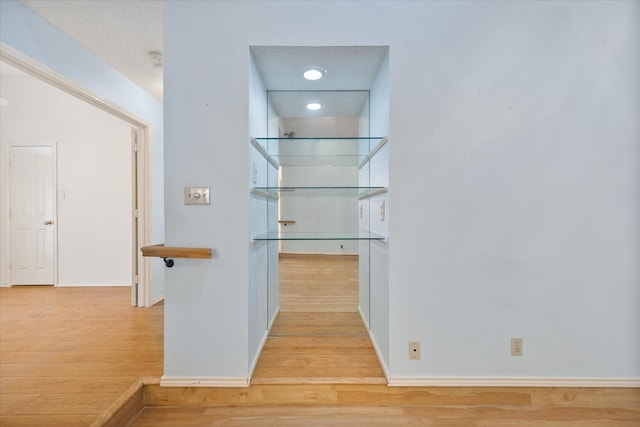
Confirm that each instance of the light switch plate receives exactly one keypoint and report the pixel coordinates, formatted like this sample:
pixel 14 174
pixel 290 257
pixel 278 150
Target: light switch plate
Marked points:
pixel 196 196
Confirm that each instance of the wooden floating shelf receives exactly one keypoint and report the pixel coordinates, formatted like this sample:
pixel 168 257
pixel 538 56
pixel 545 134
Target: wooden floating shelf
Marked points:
pixel 162 251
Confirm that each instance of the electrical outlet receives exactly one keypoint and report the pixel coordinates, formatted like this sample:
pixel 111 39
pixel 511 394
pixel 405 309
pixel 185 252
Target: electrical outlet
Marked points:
pixel 516 346
pixel 414 349
pixel 255 173
pixel 382 211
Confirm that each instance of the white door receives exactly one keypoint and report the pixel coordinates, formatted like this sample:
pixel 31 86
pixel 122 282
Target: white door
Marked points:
pixel 32 215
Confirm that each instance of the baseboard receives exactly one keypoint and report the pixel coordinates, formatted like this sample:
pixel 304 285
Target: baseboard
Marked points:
pixel 90 285
pixel 157 300
pixel 258 353
pixel 264 341
pixel 362 316
pixel 513 382
pixel 273 318
pixel 204 382
pixel 372 338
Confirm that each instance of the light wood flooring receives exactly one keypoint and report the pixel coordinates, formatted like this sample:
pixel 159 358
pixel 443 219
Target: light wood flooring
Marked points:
pixel 318 283
pixel 67 354
pixel 318 368
pixel 318 336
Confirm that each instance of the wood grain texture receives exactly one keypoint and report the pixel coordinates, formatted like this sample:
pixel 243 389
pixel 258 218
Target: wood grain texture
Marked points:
pixel 312 283
pixel 318 336
pixel 321 347
pixel 312 342
pixel 369 404
pixel 67 354
pixel 162 251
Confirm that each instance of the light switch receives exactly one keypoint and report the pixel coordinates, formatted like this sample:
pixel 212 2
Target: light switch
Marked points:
pixel 196 196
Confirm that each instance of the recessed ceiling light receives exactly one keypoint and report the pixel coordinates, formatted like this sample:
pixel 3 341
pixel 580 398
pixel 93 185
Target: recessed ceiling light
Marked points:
pixel 313 106
pixel 314 73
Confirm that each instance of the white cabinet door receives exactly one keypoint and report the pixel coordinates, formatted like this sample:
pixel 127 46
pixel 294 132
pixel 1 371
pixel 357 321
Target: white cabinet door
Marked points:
pixel 32 215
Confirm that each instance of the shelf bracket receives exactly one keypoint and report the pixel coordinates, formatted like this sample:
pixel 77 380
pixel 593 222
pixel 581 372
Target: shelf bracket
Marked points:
pixel 168 252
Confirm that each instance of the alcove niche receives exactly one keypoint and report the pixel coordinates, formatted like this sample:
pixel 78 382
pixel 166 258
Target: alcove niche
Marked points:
pixel 318 174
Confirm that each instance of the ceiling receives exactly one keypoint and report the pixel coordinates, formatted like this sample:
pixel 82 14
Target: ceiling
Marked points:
pixel 124 32
pixel 120 32
pixel 350 72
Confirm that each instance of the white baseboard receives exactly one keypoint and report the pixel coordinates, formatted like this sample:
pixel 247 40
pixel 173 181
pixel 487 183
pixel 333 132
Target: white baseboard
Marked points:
pixel 157 300
pixel 513 382
pixel 264 341
pixel 203 382
pixel 273 318
pixel 90 285
pixel 364 319
pixel 383 365
pixel 258 353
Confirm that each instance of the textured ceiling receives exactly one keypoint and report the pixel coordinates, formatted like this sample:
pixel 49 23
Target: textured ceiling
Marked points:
pixel 121 32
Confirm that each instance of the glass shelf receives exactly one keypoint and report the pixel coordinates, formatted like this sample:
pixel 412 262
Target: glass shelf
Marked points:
pixel 292 235
pixel 343 152
pixel 360 192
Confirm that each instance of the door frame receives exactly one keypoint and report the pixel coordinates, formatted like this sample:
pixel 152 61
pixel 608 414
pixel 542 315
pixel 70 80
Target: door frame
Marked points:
pixel 54 148
pixel 141 292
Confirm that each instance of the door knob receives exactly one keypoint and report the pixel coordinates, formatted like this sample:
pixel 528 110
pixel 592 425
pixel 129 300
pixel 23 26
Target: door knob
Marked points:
pixel 48 222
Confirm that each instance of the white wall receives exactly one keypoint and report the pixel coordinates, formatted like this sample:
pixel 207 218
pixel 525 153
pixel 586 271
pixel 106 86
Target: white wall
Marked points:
pixel 24 31
pixel 93 170
pixel 515 191
pixel 513 167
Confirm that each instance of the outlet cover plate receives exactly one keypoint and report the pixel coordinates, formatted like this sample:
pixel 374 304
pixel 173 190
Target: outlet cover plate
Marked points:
pixel 414 349
pixel 516 346
pixel 196 196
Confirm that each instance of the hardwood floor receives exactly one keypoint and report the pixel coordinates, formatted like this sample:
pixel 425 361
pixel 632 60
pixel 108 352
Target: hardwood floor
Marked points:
pixel 318 368
pixel 318 336
pixel 67 354
pixel 314 348
pixel 312 283
pixel 379 405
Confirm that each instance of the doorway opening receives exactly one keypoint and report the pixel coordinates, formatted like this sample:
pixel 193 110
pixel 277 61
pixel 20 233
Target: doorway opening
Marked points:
pixel 135 155
pixel 316 170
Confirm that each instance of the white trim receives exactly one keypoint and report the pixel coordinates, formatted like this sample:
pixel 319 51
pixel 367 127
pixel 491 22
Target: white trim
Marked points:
pixel 254 363
pixel 91 285
pixel 273 318
pixel 264 341
pixel 512 382
pixel 376 348
pixel 25 63
pixel 362 316
pixel 157 300
pixel 203 382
